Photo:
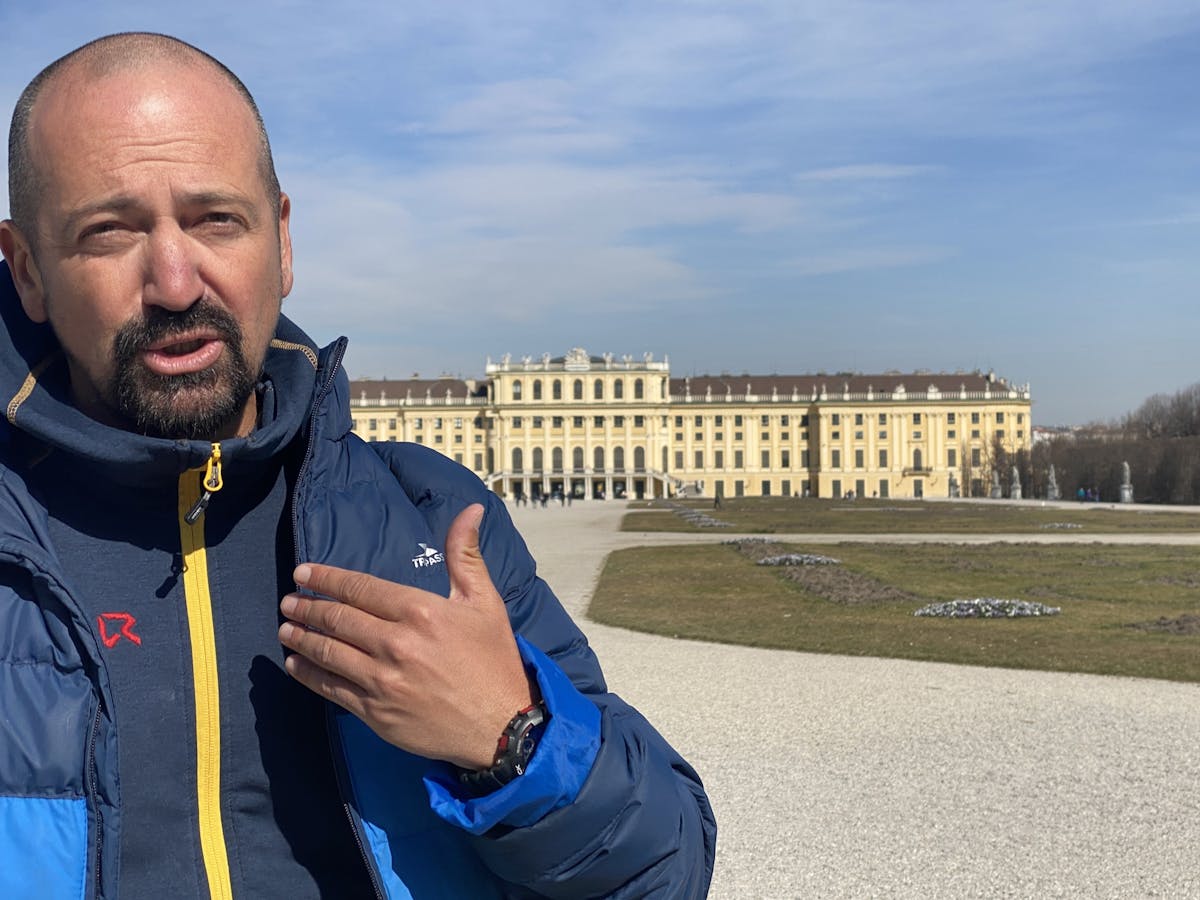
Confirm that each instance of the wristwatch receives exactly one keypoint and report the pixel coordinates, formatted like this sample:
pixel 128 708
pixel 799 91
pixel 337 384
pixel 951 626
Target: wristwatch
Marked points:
pixel 513 752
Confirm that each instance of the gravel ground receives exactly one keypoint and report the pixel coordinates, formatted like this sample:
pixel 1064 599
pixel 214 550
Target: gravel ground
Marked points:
pixel 845 777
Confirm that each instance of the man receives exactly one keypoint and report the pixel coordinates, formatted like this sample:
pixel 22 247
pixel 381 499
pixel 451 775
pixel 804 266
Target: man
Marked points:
pixel 242 653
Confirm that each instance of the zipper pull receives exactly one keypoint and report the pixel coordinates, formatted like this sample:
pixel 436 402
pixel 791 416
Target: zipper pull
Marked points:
pixel 212 482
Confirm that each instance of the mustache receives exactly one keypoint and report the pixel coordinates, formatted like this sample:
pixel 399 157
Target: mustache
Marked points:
pixel 156 324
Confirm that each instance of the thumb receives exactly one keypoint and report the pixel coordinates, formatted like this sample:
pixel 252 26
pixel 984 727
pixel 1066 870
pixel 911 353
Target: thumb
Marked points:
pixel 469 579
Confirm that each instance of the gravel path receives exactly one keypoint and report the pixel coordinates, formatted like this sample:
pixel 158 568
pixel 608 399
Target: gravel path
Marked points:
pixel 849 777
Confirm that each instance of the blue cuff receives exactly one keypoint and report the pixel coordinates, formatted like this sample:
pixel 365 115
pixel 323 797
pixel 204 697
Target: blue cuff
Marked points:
pixel 557 771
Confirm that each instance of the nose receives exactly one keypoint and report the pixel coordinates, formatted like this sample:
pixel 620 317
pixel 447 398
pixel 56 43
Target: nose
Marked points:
pixel 172 276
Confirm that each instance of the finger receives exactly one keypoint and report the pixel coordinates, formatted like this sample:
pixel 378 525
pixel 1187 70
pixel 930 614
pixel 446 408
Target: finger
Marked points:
pixel 341 691
pixel 340 620
pixel 469 578
pixel 376 596
pixel 327 653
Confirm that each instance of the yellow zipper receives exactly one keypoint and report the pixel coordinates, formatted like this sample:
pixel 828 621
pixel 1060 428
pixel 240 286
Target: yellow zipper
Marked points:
pixel 194 494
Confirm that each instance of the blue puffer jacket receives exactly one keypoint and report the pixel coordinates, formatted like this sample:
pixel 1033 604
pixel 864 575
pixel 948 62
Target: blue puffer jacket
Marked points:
pixel 607 808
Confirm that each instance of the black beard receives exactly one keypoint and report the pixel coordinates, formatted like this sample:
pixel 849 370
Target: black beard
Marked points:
pixel 194 405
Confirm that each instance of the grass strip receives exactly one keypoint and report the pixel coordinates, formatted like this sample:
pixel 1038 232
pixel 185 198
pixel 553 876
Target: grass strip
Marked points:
pixel 787 515
pixel 1126 610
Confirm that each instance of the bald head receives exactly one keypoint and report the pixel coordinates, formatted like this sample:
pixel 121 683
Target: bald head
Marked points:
pixel 104 57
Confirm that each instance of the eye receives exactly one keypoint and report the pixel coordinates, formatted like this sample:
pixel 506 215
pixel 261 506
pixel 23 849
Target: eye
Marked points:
pixel 99 228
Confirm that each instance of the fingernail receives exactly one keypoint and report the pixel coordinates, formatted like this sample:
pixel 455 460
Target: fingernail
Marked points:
pixel 302 574
pixel 288 604
pixel 285 631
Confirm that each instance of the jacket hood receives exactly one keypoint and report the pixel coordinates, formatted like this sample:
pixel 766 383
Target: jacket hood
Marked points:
pixel 34 390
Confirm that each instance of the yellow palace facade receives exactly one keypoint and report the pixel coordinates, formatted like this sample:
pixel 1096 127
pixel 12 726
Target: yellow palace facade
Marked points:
pixel 605 427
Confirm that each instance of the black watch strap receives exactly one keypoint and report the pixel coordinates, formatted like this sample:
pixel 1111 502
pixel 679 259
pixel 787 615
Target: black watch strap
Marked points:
pixel 513 752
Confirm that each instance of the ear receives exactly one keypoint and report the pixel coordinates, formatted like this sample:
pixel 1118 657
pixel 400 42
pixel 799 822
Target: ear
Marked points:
pixel 25 275
pixel 285 243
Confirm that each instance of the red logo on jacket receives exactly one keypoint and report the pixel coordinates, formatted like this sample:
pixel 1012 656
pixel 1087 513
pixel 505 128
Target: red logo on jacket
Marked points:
pixel 122 630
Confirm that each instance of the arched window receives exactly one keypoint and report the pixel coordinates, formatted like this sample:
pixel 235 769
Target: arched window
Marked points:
pixel 577 389
pixel 556 458
pixel 917 458
pixel 537 389
pixel 577 459
pixel 619 389
pixel 557 389
pixel 598 390
pixel 639 459
pixel 598 459
pixel 639 391
pixel 537 460
pixel 619 459
pixel 516 389
pixel 517 459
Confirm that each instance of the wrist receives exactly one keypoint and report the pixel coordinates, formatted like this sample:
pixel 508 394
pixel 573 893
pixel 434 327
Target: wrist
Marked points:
pixel 514 751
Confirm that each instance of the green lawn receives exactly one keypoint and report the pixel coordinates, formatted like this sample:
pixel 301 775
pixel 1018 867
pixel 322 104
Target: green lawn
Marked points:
pixel 1110 597
pixel 784 515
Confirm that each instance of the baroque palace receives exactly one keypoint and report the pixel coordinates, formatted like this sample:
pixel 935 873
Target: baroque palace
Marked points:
pixel 598 427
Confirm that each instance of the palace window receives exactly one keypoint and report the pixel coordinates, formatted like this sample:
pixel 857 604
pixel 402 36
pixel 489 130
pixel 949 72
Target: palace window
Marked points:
pixel 556 422
pixel 619 459
pixel 916 418
pixel 556 457
pixel 639 421
pixel 738 460
pixel 556 390
pixel 765 421
pixel 766 459
pixel 678 459
pixel 835 459
pixel 975 457
pixel 597 421
pixel 478 462
pixel 577 421
pixel 883 459
pixel 804 459
pixel 598 459
pixel 836 419
pixel 720 420
pixel 951 457
pixel 917 458
pixel 537 389
pixel 737 421
pixel 638 389
pixel 974 418
pixel 516 389
pixel 577 459
pixel 785 458
pixel 699 459
pixel 950 417
pixel 619 389
pixel 517 458
pixel 783 421
pixel 679 421
pixel 577 389
pixel 598 390
pixel 538 457
pixel 719 461
pixel 639 458
pixel 516 422
pixel 618 421
pixel 538 422
pixel 858 459
pixel 858 418
pixel 999 418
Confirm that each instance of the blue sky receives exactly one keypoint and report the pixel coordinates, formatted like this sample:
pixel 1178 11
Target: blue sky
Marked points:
pixel 765 187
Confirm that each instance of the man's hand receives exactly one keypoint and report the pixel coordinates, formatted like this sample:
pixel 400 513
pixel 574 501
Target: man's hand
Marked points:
pixel 435 676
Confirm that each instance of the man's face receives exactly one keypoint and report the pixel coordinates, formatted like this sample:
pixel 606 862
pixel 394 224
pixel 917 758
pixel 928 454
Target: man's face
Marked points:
pixel 158 258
